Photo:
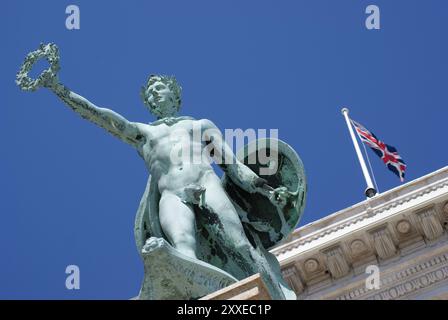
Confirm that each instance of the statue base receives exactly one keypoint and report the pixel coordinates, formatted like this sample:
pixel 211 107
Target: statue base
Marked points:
pixel 251 288
pixel 171 275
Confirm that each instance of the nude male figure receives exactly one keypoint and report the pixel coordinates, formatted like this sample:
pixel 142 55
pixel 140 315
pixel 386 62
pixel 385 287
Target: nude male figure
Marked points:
pixel 182 183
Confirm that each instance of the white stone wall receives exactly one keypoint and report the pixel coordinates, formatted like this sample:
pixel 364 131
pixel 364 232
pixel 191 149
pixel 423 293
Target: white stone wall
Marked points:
pixel 403 232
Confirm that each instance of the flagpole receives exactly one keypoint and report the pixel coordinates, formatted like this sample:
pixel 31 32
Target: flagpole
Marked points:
pixel 370 190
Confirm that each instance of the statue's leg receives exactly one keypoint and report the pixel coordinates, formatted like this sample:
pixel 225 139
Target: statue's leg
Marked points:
pixel 228 230
pixel 178 223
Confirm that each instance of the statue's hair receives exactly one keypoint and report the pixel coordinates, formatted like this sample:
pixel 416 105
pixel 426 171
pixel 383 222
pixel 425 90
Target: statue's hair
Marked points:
pixel 170 81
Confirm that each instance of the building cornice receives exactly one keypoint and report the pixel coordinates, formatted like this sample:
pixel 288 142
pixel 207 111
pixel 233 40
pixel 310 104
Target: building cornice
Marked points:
pixel 377 231
pixel 369 208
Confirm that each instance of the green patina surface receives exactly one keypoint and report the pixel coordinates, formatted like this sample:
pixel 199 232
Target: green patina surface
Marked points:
pixel 195 233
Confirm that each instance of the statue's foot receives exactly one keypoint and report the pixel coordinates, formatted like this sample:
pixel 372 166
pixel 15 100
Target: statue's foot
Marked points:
pixel 154 243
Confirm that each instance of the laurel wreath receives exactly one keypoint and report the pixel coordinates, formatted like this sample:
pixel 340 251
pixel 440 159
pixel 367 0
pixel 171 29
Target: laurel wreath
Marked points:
pixel 51 53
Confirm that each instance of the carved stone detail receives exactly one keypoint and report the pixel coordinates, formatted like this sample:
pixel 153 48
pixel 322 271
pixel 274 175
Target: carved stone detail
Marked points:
pixel 336 262
pixel 291 275
pixel 311 265
pixel 445 209
pixel 383 243
pixel 403 227
pixel 430 223
pixel 405 282
pixel 445 215
pixel 331 255
pixel 380 208
pixel 358 247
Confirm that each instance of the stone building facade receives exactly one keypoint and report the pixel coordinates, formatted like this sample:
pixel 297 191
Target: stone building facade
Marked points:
pixel 392 246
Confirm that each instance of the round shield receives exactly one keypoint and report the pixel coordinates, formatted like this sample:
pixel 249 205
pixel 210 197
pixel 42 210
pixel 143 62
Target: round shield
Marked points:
pixel 277 163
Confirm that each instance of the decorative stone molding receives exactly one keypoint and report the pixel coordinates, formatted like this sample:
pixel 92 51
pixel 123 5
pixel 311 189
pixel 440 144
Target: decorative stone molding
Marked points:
pixel 411 193
pixel 388 230
pixel 445 208
pixel 431 226
pixel 336 262
pixel 358 247
pixel 383 243
pixel 311 266
pixel 251 288
pixel 445 215
pixel 423 275
pixel 312 270
pixel 407 233
pixel 291 275
pixel 403 227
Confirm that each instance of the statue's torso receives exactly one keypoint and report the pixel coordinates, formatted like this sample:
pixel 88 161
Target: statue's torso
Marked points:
pixel 174 153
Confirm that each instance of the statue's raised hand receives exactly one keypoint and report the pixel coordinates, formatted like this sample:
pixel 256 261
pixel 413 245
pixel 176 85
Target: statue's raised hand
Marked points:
pixel 49 77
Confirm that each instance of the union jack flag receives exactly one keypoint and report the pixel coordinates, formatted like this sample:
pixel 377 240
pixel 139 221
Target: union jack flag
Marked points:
pixel 387 153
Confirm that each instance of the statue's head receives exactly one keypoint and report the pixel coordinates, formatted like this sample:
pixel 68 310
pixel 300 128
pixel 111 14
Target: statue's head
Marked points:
pixel 162 96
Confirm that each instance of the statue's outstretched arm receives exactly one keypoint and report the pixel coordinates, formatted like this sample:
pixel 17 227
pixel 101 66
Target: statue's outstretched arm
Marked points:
pixel 103 117
pixel 111 121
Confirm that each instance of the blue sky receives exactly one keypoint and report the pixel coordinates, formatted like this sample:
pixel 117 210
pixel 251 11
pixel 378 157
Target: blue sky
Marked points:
pixel 69 190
